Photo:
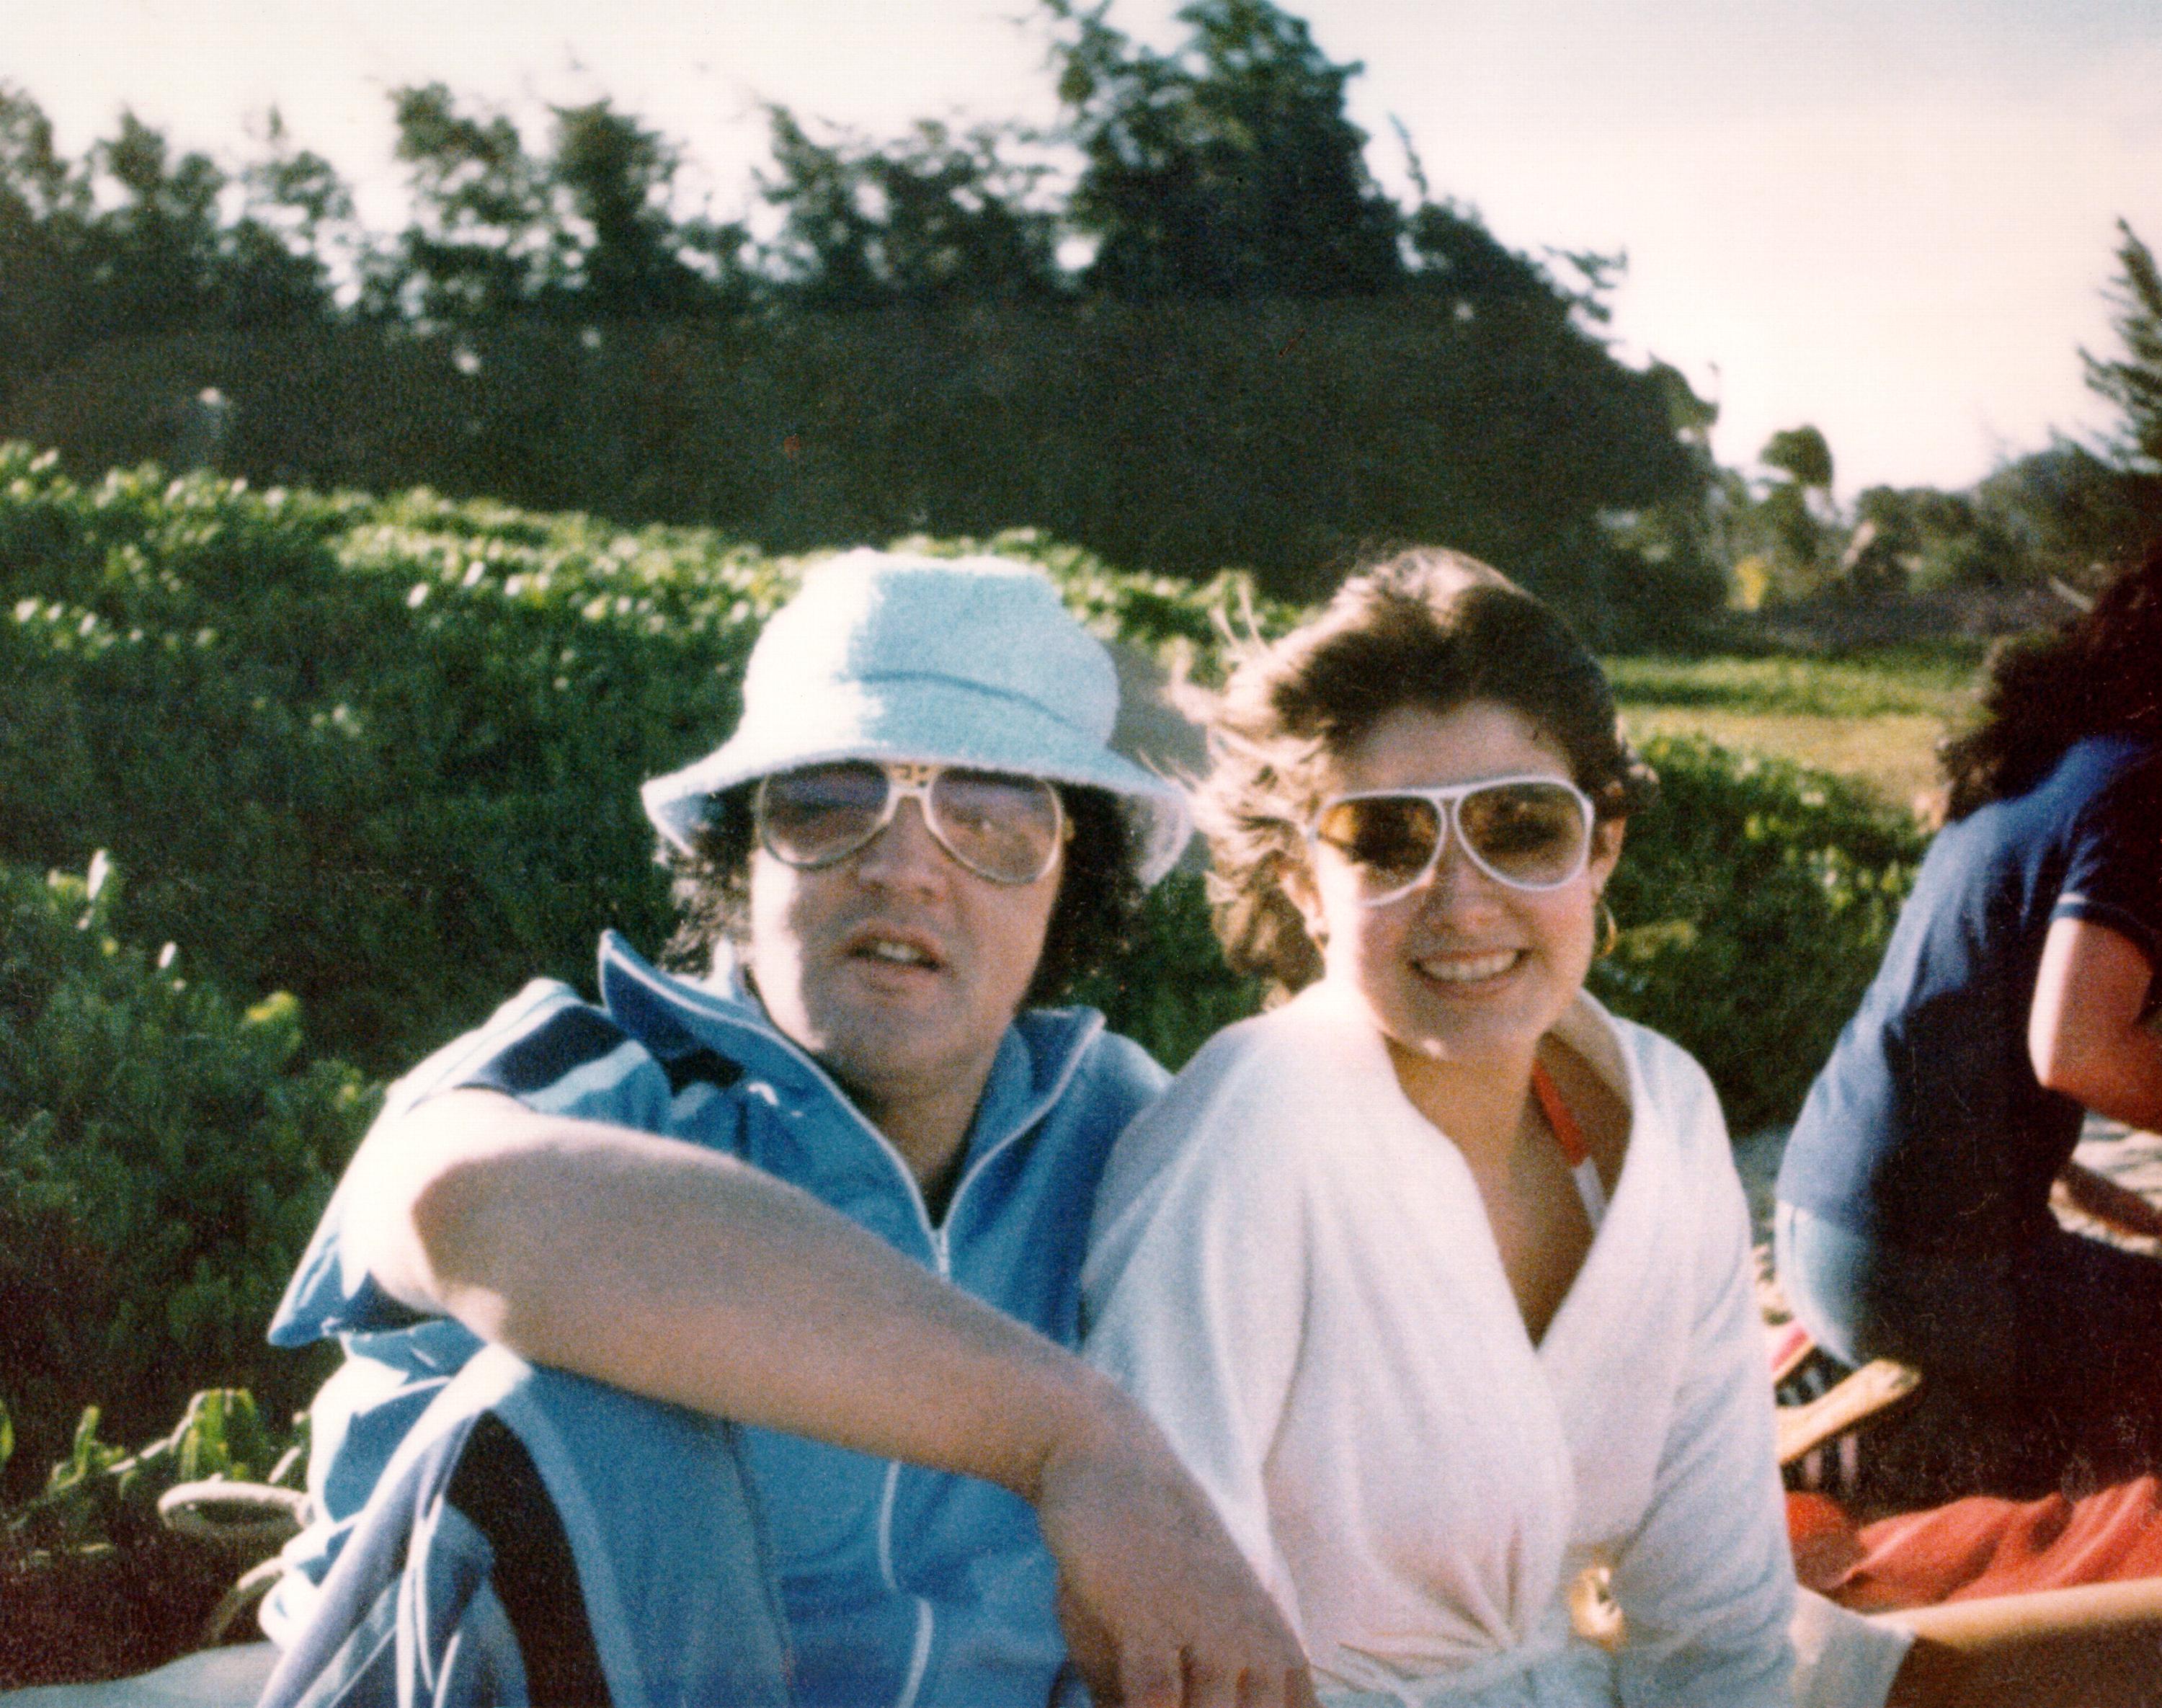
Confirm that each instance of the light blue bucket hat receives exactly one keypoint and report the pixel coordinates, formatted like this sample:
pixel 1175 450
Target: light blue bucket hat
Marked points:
pixel 952 661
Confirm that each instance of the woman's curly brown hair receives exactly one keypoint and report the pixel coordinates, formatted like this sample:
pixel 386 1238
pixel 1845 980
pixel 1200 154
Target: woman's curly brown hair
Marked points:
pixel 1426 628
pixel 1099 894
pixel 2100 675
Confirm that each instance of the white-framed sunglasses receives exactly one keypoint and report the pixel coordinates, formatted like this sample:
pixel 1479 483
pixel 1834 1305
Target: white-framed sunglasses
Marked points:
pixel 1528 832
pixel 1003 827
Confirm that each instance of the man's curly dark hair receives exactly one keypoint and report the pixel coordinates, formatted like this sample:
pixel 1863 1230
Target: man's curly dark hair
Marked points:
pixel 1099 894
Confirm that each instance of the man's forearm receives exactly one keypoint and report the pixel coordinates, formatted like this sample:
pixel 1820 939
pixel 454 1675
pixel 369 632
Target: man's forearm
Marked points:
pixel 690 1277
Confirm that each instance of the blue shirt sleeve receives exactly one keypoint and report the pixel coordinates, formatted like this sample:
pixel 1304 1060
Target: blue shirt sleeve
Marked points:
pixel 551 1051
pixel 2115 874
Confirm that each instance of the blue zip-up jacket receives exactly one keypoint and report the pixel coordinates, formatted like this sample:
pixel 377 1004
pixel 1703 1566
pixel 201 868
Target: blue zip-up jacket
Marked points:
pixel 900 1585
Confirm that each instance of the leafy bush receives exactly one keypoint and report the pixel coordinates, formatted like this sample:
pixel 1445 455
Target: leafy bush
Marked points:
pixel 163 1156
pixel 102 1493
pixel 94 1585
pixel 1755 900
pixel 382 756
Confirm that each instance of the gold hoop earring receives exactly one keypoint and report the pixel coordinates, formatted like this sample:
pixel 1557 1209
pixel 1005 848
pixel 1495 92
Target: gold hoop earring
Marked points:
pixel 1610 930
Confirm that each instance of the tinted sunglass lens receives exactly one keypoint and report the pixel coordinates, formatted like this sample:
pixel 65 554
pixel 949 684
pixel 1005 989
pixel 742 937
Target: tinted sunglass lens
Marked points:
pixel 814 817
pixel 1389 838
pixel 1003 827
pixel 1533 833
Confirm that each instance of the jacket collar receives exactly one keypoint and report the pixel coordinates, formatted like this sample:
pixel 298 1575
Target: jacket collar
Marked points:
pixel 1036 1058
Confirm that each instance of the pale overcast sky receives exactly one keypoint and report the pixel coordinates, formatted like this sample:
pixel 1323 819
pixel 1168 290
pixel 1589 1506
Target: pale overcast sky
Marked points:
pixel 1895 218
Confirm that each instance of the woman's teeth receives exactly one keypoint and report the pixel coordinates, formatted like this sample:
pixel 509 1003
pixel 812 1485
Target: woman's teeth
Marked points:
pixel 906 954
pixel 1469 969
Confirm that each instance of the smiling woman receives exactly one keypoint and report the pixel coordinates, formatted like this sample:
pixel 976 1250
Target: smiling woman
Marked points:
pixel 1438 1275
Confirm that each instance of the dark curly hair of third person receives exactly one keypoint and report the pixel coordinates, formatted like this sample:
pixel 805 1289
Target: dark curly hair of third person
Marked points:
pixel 2100 675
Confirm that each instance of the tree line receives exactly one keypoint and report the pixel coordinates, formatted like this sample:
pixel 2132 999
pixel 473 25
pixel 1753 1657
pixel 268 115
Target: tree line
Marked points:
pixel 2063 512
pixel 1191 216
pixel 1225 170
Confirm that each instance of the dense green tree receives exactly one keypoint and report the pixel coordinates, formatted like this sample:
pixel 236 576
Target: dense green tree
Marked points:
pixel 164 255
pixel 2076 514
pixel 1802 454
pixel 623 255
pixel 156 251
pixel 45 209
pixel 935 218
pixel 1225 170
pixel 298 229
pixel 134 240
pixel 478 249
pixel 585 230
pixel 1785 536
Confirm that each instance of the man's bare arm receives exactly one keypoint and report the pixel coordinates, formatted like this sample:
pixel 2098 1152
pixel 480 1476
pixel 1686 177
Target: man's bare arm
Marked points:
pixel 688 1276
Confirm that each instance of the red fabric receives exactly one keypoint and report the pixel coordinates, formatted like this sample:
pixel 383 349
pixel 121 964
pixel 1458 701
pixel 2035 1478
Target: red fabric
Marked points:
pixel 1786 1342
pixel 1977 1547
pixel 1567 1133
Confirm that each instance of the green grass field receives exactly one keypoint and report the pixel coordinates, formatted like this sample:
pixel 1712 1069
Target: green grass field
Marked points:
pixel 1874 717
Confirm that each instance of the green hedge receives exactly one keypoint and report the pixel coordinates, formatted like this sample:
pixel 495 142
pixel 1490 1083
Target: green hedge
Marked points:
pixel 164 1153
pixel 382 756
pixel 1755 898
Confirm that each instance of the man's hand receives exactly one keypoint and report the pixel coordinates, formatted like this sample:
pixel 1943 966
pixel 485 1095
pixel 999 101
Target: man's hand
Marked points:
pixel 1160 1608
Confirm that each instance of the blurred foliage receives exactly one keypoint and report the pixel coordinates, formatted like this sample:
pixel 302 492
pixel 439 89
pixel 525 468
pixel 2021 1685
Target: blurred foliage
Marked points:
pixel 1936 681
pixel 1294 434
pixel 164 1154
pixel 1214 341
pixel 131 240
pixel 1220 344
pixel 2132 379
pixel 102 1493
pixel 1801 454
pixel 1226 169
pixel 936 219
pixel 94 1586
pixel 1754 898
pixel 586 231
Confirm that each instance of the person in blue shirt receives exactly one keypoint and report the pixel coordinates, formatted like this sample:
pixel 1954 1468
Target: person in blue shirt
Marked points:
pixel 2017 993
pixel 707 1342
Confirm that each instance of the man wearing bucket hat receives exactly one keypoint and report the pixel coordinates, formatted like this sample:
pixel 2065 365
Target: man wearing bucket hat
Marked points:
pixel 836 1193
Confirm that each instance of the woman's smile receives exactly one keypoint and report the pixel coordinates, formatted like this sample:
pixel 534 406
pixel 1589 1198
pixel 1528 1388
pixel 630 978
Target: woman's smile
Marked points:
pixel 1466 971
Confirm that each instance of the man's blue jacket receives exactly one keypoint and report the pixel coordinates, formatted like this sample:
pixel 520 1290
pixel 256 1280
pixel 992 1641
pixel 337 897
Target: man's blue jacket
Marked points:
pixel 900 1585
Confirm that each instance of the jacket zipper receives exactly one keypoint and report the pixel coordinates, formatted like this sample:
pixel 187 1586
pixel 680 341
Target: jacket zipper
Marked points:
pixel 935 1234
